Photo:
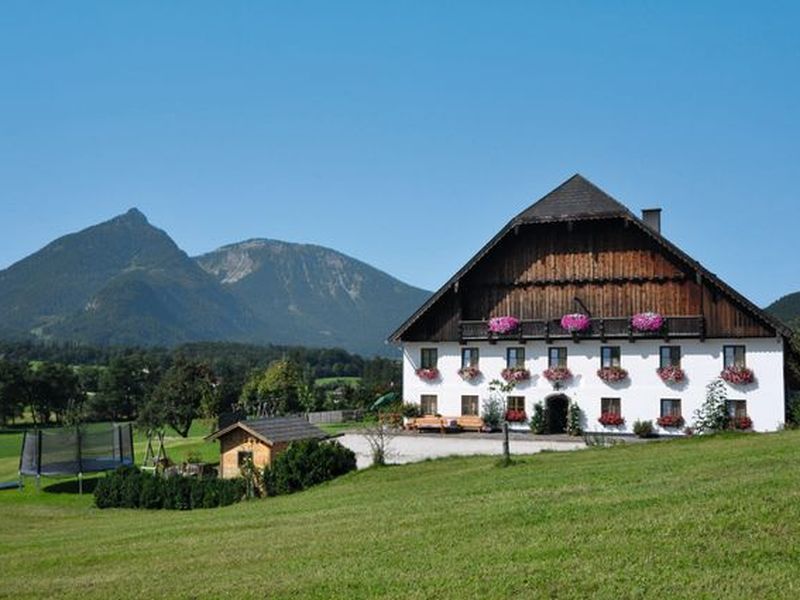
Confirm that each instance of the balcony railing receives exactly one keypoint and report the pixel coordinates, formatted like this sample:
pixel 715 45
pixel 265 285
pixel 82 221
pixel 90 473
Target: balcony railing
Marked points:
pixel 602 329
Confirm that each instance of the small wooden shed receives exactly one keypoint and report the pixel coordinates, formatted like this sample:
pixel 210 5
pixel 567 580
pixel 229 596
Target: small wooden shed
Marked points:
pixel 259 439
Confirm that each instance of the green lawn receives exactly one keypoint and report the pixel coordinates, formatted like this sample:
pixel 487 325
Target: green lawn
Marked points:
pixel 713 517
pixel 353 381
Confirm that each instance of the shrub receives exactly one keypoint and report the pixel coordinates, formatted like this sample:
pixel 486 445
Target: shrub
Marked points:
pixel 713 414
pixel 128 487
pixel 493 413
pixel 574 419
pixel 537 418
pixel 306 463
pixel 643 429
pixel 411 410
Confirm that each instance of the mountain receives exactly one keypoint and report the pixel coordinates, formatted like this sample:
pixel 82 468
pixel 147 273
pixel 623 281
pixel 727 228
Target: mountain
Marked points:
pixel 314 296
pixel 125 282
pixel 120 282
pixel 787 309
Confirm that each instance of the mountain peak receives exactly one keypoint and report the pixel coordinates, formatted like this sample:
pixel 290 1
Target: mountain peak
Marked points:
pixel 134 215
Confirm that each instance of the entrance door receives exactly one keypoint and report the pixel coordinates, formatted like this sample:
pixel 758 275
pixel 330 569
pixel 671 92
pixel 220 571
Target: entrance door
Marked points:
pixel 556 413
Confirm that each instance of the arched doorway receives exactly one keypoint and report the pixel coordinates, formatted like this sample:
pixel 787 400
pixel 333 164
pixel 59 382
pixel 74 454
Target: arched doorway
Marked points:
pixel 555 411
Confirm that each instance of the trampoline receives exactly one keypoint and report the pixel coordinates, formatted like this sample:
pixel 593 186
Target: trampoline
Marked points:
pixel 68 451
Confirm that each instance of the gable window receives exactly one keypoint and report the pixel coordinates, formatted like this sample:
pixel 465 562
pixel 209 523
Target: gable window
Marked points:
pixel 516 403
pixel 469 406
pixel 609 356
pixel 515 357
pixel 557 357
pixel 243 456
pixel 611 406
pixel 428 404
pixel 469 357
pixel 670 356
pixel 733 356
pixel 428 358
pixel 736 408
pixel 670 407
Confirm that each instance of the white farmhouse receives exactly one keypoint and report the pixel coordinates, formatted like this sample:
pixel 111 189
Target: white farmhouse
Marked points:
pixel 581 301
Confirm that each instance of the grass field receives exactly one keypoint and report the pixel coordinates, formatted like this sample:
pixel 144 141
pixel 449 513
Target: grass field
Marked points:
pixel 712 517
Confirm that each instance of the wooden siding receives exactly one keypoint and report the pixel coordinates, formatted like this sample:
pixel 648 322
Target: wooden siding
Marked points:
pixel 237 441
pixel 613 267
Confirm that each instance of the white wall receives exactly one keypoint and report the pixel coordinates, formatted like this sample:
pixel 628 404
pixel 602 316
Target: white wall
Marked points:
pixel 640 394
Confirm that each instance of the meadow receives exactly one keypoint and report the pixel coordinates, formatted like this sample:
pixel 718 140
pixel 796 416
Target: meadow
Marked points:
pixel 702 517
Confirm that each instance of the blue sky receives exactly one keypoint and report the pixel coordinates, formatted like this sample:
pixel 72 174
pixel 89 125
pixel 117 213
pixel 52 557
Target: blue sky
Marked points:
pixel 407 133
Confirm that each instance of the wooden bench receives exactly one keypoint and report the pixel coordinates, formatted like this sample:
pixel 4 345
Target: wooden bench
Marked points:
pixel 442 424
pixel 471 423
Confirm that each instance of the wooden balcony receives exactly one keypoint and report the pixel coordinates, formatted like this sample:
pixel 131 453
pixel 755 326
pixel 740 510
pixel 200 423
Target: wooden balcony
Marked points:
pixel 612 328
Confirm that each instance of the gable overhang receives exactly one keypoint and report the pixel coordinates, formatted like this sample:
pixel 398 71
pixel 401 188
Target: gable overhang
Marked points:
pixel 238 425
pixel 623 213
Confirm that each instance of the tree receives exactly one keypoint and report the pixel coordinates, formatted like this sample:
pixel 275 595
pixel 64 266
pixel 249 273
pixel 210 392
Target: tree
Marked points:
pixel 178 398
pixel 54 389
pixel 13 391
pixel 277 391
pixel 123 388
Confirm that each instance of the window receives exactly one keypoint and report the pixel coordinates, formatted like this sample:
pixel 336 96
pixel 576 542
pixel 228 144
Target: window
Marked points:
pixel 429 357
pixel 427 404
pixel 515 403
pixel 670 407
pixel 736 408
pixel 469 405
pixel 670 356
pixel 557 357
pixel 515 357
pixel 611 406
pixel 609 356
pixel 469 357
pixel 243 457
pixel 733 356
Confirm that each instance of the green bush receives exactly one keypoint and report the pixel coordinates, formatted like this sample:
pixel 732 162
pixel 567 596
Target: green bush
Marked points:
pixel 537 418
pixel 306 463
pixel 128 487
pixel 643 429
pixel 574 419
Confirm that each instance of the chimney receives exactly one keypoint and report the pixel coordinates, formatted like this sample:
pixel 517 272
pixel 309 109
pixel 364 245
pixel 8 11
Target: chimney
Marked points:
pixel 652 218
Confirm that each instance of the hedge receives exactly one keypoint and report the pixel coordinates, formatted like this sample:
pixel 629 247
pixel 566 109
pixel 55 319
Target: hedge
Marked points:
pixel 306 463
pixel 128 487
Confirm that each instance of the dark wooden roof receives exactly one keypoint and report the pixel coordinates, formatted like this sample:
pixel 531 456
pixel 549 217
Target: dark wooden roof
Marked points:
pixel 275 430
pixel 578 199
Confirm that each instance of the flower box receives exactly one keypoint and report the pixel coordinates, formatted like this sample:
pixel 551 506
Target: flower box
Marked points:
pixel 671 374
pixel 505 324
pixel 515 374
pixel 612 374
pixel 742 423
pixel 575 322
pixel 557 374
pixel 430 374
pixel 647 322
pixel 469 373
pixel 611 420
pixel 516 416
pixel 737 375
pixel 670 421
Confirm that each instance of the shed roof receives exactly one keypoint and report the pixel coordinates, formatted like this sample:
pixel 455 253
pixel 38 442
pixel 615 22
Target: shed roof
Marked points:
pixel 273 430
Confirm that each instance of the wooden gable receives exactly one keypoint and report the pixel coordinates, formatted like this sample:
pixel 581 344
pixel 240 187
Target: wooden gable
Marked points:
pixel 579 250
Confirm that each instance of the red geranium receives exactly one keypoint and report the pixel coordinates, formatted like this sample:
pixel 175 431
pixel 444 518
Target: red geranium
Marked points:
pixel 670 421
pixel 737 375
pixel 742 422
pixel 429 374
pixel 612 374
pixel 611 419
pixel 557 374
pixel 515 374
pixel 516 416
pixel 671 374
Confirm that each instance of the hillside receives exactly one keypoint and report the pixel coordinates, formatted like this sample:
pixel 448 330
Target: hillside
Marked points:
pixel 697 518
pixel 120 282
pixel 126 282
pixel 314 296
pixel 787 309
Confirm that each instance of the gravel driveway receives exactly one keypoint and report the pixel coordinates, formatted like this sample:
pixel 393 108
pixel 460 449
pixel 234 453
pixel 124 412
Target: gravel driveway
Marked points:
pixel 406 448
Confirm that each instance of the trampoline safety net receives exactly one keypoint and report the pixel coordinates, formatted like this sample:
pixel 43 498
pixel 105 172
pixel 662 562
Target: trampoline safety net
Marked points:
pixel 72 450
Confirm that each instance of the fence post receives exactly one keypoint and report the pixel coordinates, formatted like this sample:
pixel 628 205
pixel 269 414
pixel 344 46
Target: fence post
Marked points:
pixel 506 450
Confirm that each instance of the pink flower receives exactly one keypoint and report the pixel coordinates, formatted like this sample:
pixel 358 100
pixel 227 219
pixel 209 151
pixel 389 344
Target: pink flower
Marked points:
pixel 515 374
pixel 671 374
pixel 557 374
pixel 647 321
pixel 505 324
pixel 612 374
pixel 430 374
pixel 737 375
pixel 469 373
pixel 575 322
